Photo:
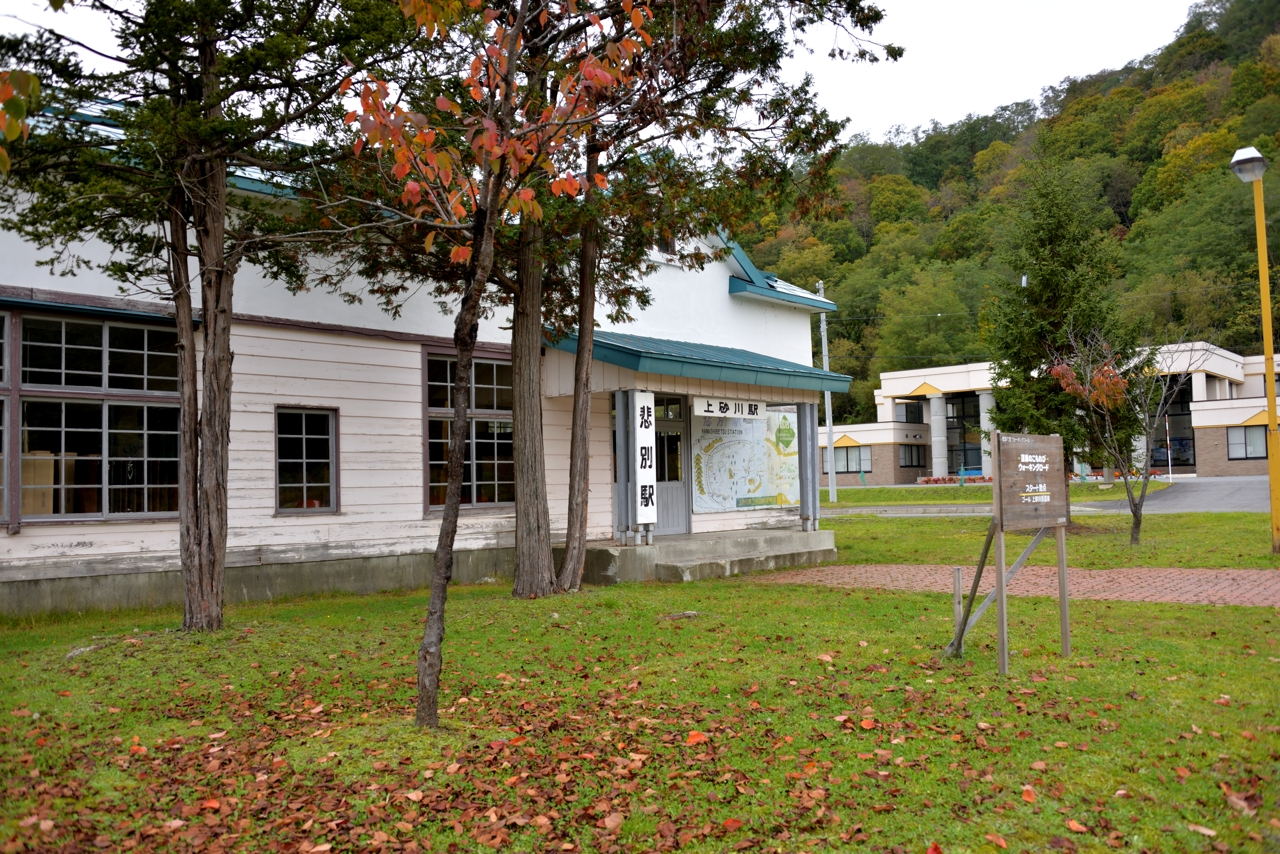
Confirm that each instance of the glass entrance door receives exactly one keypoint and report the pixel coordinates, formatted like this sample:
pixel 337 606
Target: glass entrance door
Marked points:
pixel 672 447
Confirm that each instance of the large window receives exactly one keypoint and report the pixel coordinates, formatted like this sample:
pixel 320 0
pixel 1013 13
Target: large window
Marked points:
pixel 911 411
pixel 964 437
pixel 1178 432
pixel 488 475
pixel 91 416
pixel 911 456
pixel 850 460
pixel 1247 443
pixel 306 460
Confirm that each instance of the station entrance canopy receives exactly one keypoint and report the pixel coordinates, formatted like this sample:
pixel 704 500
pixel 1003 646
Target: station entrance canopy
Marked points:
pixel 704 361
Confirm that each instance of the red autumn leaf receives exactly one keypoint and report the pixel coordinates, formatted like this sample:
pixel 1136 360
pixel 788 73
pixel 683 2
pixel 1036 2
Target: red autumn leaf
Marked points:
pixel 732 824
pixel 997 840
pixel 696 737
pixel 1029 794
pixel 868 724
pixel 934 848
pixel 1076 827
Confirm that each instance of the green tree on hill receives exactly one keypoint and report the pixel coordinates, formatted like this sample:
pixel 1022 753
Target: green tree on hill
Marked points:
pixel 1070 266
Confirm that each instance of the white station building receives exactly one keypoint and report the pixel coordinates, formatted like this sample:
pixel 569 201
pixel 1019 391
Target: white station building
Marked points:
pixel 338 438
pixel 933 422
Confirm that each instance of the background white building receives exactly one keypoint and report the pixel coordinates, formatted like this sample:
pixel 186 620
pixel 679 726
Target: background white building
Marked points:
pixel 933 422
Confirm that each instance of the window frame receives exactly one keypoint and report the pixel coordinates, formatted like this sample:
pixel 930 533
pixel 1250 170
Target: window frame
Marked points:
pixel 902 452
pixel 1244 435
pixel 335 458
pixel 16 392
pixel 440 413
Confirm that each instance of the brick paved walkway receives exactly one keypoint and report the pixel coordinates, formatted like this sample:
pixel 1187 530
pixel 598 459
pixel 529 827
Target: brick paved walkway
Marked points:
pixel 1186 586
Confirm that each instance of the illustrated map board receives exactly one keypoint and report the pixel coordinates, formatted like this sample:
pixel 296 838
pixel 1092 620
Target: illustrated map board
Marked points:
pixel 1032 488
pixel 745 463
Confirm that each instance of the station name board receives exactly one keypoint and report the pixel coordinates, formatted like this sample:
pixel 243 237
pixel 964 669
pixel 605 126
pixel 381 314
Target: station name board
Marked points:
pixel 722 407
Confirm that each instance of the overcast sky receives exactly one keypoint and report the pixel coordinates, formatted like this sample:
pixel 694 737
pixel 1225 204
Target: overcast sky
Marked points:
pixel 961 57
pixel 973 57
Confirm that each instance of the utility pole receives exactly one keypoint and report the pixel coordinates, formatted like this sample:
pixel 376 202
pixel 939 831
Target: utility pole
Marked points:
pixel 826 398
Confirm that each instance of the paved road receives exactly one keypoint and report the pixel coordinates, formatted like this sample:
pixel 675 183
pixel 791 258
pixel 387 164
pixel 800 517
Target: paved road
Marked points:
pixel 1199 495
pixel 1259 587
pixel 1191 495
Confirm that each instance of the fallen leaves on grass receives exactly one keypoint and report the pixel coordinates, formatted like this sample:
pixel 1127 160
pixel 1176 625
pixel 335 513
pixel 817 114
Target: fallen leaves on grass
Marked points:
pixel 997 840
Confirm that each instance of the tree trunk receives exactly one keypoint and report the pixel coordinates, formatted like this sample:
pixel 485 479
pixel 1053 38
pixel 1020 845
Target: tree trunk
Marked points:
pixel 204 551
pixel 1135 530
pixel 465 331
pixel 575 546
pixel 217 275
pixel 189 537
pixel 535 571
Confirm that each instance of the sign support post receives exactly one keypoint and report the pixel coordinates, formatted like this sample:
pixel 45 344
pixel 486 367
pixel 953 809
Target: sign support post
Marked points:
pixel 1064 616
pixel 1029 491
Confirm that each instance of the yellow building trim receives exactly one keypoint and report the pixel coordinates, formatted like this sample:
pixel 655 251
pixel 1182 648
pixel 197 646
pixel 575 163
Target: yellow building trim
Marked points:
pixel 924 388
pixel 847 442
pixel 1259 419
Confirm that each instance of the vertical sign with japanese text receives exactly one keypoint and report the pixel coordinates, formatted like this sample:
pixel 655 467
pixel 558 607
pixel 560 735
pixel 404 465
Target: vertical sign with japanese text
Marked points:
pixel 645 474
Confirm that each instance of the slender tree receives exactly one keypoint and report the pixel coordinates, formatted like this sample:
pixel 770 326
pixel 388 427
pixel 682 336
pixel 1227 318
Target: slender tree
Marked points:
pixel 140 157
pixel 1124 392
pixel 1070 266
pixel 525 98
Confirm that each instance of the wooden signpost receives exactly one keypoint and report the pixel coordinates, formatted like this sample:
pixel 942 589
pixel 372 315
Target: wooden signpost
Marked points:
pixel 1029 491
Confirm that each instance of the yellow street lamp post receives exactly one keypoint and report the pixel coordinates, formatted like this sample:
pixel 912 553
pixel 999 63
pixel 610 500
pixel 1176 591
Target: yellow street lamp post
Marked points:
pixel 1249 166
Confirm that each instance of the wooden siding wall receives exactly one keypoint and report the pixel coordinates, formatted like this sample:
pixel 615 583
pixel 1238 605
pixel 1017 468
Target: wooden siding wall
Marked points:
pixel 557 419
pixel 375 384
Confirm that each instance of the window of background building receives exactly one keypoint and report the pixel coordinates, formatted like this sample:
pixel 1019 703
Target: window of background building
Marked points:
pixel 911 412
pixel 489 469
pixel 110 453
pixel 850 460
pixel 306 460
pixel 1179 431
pixel 911 456
pixel 1247 443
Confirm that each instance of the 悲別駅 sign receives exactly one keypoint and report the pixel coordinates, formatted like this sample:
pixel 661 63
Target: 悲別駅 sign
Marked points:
pixel 645 473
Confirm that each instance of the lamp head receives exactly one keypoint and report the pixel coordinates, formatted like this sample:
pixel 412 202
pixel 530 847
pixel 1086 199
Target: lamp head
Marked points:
pixel 1248 164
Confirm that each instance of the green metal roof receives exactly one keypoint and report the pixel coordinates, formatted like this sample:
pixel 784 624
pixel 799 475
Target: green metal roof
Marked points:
pixel 757 284
pixel 704 362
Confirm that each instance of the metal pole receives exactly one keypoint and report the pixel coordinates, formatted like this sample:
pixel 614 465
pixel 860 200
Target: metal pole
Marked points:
pixel 1168 449
pixel 826 399
pixel 1064 607
pixel 957 597
pixel 1002 610
pixel 1269 376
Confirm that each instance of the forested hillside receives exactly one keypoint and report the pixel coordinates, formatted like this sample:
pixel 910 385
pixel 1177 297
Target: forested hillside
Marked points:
pixel 919 251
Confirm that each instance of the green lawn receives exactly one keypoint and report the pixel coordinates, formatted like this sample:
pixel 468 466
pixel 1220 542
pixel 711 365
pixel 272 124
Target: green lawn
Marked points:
pixel 1206 540
pixel 978 493
pixel 783 719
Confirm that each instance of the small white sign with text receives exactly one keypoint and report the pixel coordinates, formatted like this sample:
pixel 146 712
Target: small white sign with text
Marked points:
pixel 645 482
pixel 719 407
